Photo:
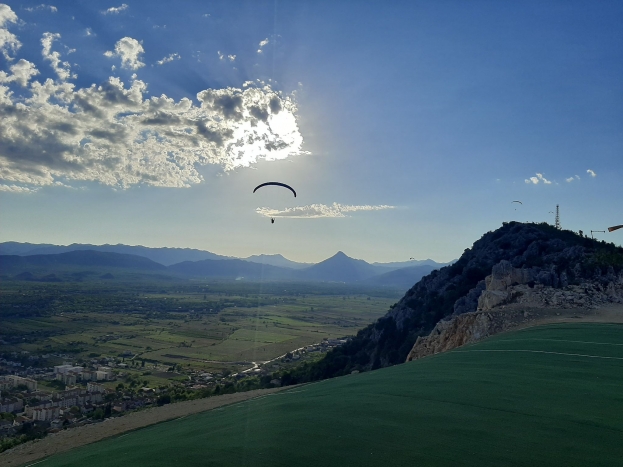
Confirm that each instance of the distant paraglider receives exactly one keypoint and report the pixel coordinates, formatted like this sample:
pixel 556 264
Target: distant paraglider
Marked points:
pixel 276 184
pixel 516 202
pixel 616 227
pixel 272 219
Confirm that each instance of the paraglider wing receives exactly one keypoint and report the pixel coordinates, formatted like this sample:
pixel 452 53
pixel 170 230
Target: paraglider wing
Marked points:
pixel 616 227
pixel 276 184
pixel 517 202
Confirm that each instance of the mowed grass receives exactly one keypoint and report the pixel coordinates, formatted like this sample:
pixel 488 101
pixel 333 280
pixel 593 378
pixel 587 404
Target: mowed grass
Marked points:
pixel 501 402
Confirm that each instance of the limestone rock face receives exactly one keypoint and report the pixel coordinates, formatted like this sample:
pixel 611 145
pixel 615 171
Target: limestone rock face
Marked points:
pixel 522 289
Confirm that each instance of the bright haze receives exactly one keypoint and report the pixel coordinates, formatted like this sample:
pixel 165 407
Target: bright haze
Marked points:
pixel 406 128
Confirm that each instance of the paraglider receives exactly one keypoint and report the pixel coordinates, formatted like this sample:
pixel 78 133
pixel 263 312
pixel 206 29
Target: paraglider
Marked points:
pixel 276 184
pixel 272 219
pixel 516 202
pixel 616 227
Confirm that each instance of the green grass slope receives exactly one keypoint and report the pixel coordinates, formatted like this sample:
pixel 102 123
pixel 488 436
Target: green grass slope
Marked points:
pixel 545 396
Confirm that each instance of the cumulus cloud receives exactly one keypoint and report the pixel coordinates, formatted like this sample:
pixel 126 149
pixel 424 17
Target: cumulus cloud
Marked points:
pixel 43 6
pixel 21 73
pixel 89 32
pixel 61 68
pixel 570 179
pixel 537 179
pixel 17 189
pixel 262 45
pixel 231 58
pixel 56 133
pixel 314 211
pixel 591 173
pixel 115 10
pixel 128 50
pixel 8 41
pixel 168 59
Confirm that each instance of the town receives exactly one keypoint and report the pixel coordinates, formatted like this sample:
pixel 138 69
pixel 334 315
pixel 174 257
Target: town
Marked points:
pixel 37 400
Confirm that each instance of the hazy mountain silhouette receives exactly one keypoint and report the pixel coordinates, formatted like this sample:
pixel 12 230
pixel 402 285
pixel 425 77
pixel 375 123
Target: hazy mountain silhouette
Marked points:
pixel 276 260
pixel 12 264
pixel 166 256
pixel 340 268
pixel 231 269
pixel 403 278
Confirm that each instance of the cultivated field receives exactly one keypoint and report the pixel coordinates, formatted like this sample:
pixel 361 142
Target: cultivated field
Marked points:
pixel 207 325
pixel 550 395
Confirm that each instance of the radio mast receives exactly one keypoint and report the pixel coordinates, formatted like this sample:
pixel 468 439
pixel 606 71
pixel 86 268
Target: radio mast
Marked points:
pixel 558 216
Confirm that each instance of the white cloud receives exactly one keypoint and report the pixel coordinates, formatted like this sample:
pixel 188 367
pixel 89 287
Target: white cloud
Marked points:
pixel 115 10
pixel 168 59
pixel 536 180
pixel 17 189
pixel 231 58
pixel 62 69
pixel 89 32
pixel 591 173
pixel 56 133
pixel 313 211
pixel 221 56
pixel 8 40
pixel 43 6
pixel 206 15
pixel 128 50
pixel 570 179
pixel 262 45
pixel 21 73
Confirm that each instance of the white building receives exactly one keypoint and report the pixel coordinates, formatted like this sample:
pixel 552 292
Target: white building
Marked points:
pixel 12 381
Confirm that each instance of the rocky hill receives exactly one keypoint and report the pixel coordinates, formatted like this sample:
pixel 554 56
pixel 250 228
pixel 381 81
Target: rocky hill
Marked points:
pixel 528 263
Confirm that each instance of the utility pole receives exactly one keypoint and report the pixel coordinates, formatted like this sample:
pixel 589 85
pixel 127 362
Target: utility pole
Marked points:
pixel 558 216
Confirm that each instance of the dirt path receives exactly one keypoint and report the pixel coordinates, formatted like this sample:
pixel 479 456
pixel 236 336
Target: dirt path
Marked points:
pixel 34 451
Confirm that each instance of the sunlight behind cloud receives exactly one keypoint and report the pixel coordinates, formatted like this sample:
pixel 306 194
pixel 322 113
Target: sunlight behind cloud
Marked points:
pixel 113 134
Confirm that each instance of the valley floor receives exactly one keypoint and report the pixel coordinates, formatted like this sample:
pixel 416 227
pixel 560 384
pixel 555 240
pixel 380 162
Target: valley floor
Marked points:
pixel 547 395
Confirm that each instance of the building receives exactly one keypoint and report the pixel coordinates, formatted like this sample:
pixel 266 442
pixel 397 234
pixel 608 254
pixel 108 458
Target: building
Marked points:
pixel 104 373
pixel 12 404
pixel 11 381
pixel 96 388
pixel 67 378
pixel 67 368
pixel 46 413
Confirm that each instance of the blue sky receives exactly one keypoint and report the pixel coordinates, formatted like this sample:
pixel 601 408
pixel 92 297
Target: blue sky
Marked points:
pixel 407 128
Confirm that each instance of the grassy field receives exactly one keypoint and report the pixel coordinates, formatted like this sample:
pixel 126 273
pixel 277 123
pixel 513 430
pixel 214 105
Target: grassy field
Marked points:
pixel 211 325
pixel 544 396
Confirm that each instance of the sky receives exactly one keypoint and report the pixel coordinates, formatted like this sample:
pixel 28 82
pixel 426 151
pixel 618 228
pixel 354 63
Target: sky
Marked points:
pixel 406 128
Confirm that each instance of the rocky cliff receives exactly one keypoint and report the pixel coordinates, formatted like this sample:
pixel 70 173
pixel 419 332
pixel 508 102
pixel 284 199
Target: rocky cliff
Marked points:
pixel 534 262
pixel 515 297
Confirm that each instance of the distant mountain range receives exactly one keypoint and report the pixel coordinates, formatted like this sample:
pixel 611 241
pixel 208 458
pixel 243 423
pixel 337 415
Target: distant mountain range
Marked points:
pixel 165 256
pixel 23 261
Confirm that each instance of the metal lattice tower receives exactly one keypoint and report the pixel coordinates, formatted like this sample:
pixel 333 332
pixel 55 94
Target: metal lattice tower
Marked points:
pixel 558 217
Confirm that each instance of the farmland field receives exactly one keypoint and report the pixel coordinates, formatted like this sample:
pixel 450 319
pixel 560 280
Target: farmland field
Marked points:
pixel 200 325
pixel 549 395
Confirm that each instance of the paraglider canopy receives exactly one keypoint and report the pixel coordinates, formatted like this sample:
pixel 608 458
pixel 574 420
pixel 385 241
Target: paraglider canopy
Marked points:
pixel 276 184
pixel 516 202
pixel 616 227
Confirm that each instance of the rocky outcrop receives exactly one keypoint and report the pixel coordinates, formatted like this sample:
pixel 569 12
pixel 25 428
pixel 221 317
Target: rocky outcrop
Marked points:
pixel 534 264
pixel 516 296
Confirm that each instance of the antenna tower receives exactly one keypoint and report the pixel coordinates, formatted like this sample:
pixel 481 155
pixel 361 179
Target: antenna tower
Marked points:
pixel 558 217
